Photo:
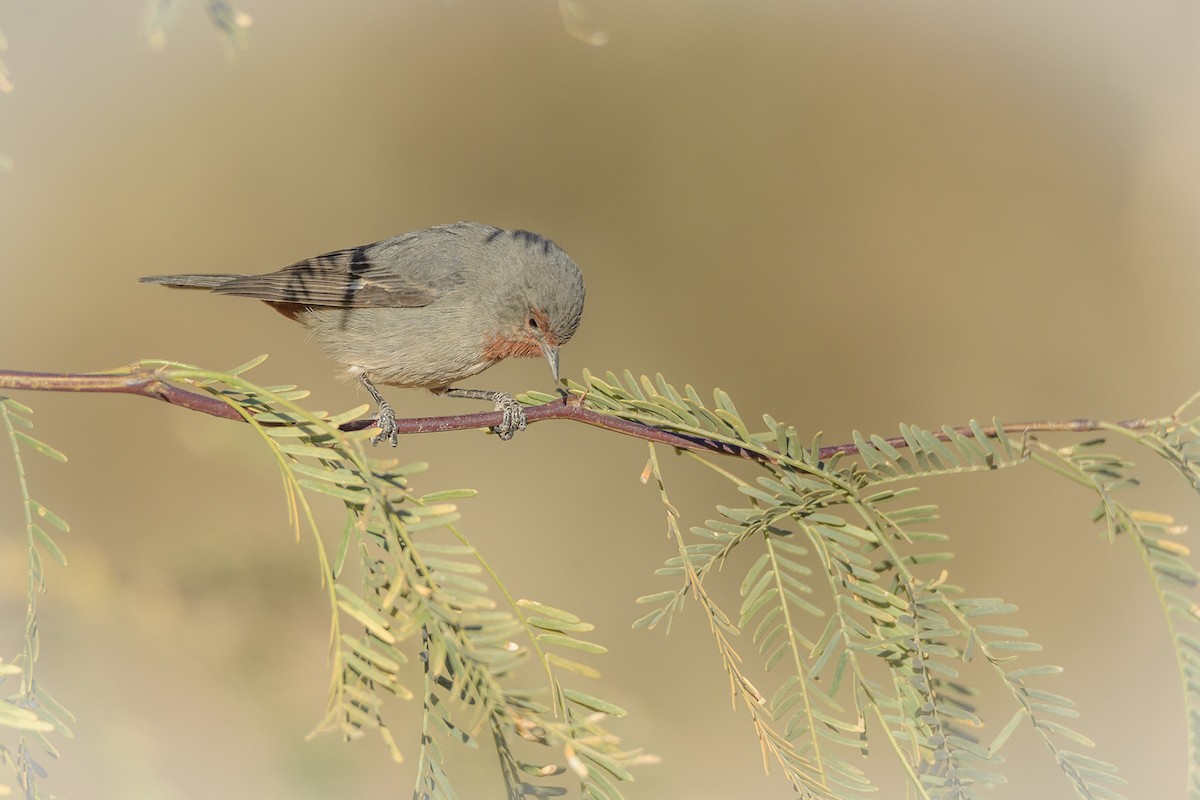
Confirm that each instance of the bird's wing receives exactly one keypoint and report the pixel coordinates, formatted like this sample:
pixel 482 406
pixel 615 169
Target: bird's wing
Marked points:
pixel 341 279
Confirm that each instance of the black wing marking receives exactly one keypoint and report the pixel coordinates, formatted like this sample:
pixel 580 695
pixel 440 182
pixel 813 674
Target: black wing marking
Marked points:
pixel 341 279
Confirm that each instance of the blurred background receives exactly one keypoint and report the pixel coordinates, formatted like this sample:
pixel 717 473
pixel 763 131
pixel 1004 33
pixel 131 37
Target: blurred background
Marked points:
pixel 846 214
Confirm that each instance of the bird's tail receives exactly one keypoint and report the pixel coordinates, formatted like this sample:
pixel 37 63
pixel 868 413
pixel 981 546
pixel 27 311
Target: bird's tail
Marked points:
pixel 189 281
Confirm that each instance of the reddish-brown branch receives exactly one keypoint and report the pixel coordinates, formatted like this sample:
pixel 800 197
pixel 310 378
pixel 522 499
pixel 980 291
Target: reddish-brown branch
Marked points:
pixel 143 381
pixel 148 383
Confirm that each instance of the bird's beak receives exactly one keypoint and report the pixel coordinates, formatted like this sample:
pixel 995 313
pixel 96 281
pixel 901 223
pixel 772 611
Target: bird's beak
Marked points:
pixel 551 354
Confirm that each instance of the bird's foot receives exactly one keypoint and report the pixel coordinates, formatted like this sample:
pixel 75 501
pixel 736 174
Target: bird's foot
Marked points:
pixel 514 416
pixel 386 422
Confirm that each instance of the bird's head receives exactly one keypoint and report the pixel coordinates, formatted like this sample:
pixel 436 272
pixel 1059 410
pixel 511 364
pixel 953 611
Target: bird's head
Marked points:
pixel 541 301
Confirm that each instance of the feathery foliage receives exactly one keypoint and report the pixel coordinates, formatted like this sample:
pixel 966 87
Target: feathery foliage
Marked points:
pixel 847 604
pixel 423 592
pixel 30 712
pixel 404 583
pixel 1155 537
pixel 847 637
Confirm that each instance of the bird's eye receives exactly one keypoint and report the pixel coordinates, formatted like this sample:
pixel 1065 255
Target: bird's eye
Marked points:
pixel 533 323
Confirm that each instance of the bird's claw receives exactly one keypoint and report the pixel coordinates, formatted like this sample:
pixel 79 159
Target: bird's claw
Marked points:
pixel 514 416
pixel 388 429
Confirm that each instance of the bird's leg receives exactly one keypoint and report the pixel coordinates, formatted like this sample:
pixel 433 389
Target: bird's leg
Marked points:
pixel 386 420
pixel 514 415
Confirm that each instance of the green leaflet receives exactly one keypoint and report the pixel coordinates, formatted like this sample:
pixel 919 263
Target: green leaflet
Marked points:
pixel 30 712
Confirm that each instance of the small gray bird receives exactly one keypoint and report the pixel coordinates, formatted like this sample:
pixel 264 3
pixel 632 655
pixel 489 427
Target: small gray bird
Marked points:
pixel 426 308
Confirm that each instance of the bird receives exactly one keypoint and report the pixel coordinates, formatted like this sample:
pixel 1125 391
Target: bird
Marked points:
pixel 425 309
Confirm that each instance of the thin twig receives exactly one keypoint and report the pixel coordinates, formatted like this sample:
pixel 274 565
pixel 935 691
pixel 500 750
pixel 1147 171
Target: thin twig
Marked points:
pixel 148 382
pixel 127 380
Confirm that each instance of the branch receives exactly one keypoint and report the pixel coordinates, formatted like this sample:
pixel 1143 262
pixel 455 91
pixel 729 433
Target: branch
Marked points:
pixel 126 380
pixel 145 381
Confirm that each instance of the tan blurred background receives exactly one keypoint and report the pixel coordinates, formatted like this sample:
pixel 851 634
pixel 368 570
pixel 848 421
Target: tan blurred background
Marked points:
pixel 846 214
